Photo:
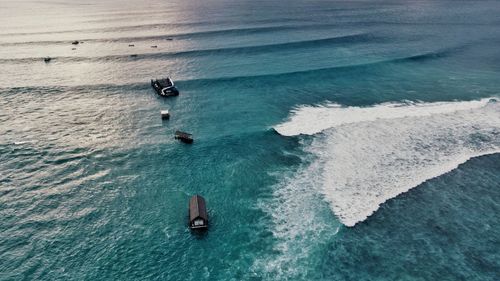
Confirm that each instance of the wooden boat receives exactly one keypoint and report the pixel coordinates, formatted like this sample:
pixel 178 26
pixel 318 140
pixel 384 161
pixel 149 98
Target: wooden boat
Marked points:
pixel 164 87
pixel 198 217
pixel 184 137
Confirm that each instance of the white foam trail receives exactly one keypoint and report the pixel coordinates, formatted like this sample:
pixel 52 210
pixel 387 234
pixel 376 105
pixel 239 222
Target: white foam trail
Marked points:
pixel 369 155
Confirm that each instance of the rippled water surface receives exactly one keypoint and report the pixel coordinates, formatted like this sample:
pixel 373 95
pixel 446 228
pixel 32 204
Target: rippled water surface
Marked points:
pixel 334 140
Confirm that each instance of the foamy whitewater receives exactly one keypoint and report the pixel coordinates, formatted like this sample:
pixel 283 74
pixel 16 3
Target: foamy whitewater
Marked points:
pixel 368 155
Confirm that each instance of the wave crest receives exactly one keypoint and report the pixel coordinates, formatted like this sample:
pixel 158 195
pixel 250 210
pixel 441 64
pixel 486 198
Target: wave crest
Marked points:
pixel 368 155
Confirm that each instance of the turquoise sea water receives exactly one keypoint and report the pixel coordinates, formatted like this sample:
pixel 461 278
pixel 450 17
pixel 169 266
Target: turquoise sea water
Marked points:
pixel 334 140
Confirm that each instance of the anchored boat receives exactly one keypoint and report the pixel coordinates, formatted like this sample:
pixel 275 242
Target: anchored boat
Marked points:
pixel 165 87
pixel 165 114
pixel 198 217
pixel 184 137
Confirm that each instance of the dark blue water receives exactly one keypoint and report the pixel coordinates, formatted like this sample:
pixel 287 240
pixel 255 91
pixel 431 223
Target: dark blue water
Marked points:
pixel 334 140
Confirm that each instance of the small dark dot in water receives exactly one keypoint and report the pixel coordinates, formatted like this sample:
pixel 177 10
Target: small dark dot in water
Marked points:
pixel 131 45
pixel 154 46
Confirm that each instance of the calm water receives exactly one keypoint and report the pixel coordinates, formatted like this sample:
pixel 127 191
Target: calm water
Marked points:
pixel 334 140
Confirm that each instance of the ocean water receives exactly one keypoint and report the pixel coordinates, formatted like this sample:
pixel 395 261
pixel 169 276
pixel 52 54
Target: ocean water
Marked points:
pixel 334 140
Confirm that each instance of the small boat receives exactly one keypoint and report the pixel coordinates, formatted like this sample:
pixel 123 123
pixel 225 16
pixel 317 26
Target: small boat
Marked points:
pixel 75 42
pixel 47 59
pixel 154 46
pixel 165 87
pixel 198 218
pixel 184 137
pixel 131 45
pixel 165 114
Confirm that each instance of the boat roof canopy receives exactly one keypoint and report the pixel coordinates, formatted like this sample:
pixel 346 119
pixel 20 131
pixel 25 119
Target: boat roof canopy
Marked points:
pixel 183 134
pixel 197 208
pixel 167 82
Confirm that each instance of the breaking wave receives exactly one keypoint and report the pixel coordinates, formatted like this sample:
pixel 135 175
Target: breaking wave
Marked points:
pixel 368 155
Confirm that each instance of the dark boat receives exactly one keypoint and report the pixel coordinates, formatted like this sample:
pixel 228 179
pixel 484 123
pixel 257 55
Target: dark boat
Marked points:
pixel 198 218
pixel 184 137
pixel 47 59
pixel 165 87
pixel 75 42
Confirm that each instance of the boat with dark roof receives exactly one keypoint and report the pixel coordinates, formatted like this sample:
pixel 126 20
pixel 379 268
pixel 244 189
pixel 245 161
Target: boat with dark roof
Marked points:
pixel 184 137
pixel 198 217
pixel 164 87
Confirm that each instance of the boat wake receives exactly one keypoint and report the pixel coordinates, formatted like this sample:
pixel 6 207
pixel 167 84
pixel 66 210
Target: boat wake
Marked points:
pixel 367 155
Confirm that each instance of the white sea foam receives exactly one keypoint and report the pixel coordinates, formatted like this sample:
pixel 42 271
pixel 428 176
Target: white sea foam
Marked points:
pixel 368 155
pixel 297 214
pixel 25 142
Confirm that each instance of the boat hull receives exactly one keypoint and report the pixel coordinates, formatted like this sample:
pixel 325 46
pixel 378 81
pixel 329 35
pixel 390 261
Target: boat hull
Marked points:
pixel 184 140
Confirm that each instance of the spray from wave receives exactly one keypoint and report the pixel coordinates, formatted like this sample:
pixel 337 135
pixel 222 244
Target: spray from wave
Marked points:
pixel 368 155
